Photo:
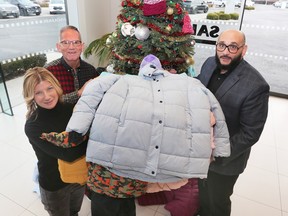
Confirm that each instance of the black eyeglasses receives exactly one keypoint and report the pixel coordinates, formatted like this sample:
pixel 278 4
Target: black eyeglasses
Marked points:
pixel 231 48
pixel 75 43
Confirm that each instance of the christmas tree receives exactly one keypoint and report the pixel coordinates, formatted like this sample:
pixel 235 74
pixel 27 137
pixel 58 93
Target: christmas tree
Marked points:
pixel 159 27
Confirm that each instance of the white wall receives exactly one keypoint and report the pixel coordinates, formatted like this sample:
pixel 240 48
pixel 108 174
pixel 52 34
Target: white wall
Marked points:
pixel 94 18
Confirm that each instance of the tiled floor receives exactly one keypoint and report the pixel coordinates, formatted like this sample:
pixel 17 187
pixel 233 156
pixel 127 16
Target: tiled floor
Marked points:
pixel 261 191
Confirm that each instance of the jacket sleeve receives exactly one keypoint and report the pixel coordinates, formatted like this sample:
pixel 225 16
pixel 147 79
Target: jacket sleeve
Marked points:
pixel 253 117
pixel 220 130
pixel 64 139
pixel 88 103
pixel 33 132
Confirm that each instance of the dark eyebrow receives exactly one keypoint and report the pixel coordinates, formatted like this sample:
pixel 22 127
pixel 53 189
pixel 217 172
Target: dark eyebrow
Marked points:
pixel 233 43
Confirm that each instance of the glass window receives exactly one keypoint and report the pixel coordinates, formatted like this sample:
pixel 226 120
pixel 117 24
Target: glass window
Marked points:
pixel 4 97
pixel 264 23
pixel 34 31
pixel 266 37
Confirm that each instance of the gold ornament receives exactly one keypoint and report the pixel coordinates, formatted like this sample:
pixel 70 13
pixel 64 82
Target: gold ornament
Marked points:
pixel 135 2
pixel 190 60
pixel 170 11
pixel 168 28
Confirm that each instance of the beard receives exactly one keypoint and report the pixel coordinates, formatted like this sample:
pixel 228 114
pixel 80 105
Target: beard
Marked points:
pixel 234 62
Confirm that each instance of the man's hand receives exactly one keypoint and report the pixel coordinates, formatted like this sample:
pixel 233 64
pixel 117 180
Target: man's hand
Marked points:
pixel 80 91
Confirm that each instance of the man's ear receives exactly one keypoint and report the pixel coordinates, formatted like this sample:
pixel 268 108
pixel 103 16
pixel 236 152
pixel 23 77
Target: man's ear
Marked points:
pixel 58 46
pixel 83 47
pixel 244 50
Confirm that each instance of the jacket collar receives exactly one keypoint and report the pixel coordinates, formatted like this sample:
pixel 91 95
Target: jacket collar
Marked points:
pixel 149 71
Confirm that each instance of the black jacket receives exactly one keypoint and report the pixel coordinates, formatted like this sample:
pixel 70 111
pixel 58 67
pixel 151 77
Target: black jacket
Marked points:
pixel 243 97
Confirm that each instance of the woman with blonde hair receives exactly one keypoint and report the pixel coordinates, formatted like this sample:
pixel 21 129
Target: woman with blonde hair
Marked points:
pixel 45 113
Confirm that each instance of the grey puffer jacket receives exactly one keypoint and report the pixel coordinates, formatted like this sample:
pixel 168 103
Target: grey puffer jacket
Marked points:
pixel 153 127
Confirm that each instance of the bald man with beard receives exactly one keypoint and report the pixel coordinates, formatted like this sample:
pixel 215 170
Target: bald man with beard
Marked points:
pixel 243 95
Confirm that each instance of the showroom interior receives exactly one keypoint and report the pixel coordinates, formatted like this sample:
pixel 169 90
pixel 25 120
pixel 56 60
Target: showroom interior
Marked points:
pixel 261 190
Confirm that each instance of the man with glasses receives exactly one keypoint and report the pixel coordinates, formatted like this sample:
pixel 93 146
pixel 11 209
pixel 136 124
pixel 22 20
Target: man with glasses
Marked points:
pixel 72 72
pixel 243 95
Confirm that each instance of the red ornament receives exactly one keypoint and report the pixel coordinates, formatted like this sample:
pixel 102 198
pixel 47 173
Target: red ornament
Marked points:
pixel 140 46
pixel 187 27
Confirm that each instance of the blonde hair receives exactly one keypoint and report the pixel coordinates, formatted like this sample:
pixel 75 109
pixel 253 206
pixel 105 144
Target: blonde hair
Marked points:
pixel 32 78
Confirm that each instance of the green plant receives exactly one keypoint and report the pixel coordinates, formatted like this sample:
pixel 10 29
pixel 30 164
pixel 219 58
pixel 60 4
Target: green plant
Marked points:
pixel 234 16
pixel 17 68
pixel 224 16
pixel 100 48
pixel 44 5
pixel 212 16
pixel 249 8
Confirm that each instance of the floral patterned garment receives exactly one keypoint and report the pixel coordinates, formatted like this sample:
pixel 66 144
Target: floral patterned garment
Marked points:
pixel 64 139
pixel 102 181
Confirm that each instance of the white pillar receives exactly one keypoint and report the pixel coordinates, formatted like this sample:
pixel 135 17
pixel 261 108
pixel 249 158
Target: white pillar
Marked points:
pixel 94 18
